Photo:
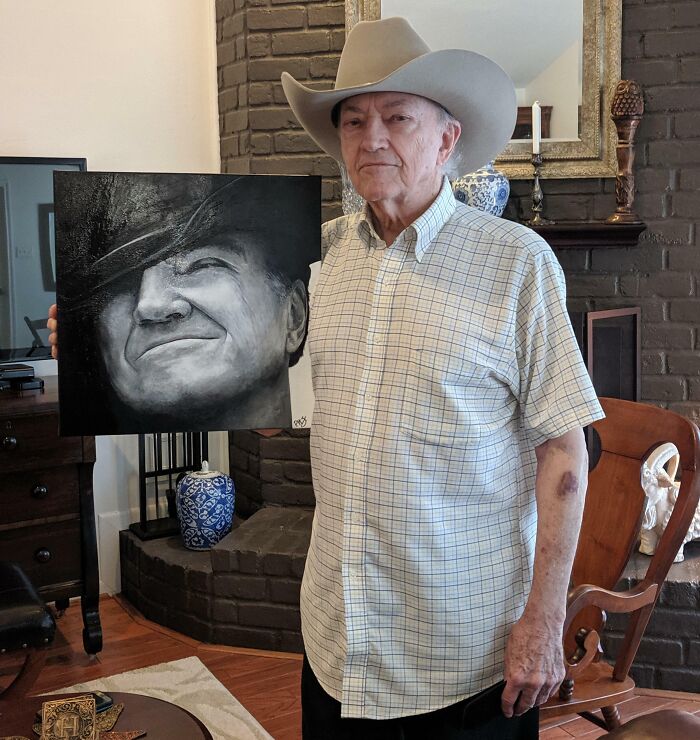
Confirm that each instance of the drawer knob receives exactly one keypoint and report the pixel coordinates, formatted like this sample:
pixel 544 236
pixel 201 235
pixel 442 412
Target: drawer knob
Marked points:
pixel 43 555
pixel 40 491
pixel 9 442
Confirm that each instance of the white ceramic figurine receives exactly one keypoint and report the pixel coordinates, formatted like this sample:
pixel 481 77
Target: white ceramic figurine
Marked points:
pixel 658 480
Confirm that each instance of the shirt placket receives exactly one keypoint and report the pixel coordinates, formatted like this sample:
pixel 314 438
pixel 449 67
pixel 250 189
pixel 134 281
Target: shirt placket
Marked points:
pixel 358 612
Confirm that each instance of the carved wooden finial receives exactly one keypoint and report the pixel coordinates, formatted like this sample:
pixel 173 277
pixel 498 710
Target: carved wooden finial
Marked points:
pixel 626 111
pixel 627 100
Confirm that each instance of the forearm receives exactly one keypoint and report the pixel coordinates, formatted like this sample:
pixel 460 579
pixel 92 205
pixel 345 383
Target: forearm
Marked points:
pixel 534 663
pixel 560 491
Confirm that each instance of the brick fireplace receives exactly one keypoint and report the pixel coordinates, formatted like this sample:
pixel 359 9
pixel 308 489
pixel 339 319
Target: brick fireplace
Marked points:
pixel 245 591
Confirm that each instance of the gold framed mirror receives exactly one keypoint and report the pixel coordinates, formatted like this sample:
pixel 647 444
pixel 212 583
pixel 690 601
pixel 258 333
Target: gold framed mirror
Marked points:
pixel 587 149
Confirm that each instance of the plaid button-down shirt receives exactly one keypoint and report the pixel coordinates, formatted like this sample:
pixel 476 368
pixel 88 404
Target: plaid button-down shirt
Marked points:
pixel 439 363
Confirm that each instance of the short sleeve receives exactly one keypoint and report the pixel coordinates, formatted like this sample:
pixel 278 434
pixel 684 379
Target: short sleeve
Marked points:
pixel 556 393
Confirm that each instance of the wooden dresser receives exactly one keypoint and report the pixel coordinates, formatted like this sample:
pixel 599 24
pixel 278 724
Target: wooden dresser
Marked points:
pixel 47 516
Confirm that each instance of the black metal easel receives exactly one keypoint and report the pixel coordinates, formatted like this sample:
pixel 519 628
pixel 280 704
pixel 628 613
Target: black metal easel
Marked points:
pixel 173 455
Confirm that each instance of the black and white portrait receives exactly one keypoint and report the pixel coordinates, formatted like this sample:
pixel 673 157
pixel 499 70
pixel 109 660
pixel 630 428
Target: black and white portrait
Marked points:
pixel 182 299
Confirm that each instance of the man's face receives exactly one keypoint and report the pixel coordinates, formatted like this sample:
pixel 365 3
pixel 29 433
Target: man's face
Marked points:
pixel 393 145
pixel 200 328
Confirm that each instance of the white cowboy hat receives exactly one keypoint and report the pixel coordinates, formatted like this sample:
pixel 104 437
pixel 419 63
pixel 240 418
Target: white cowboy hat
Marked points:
pixel 389 56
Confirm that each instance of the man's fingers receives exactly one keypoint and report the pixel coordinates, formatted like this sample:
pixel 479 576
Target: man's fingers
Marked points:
pixel 52 326
pixel 518 699
pixel 545 693
pixel 525 702
pixel 508 699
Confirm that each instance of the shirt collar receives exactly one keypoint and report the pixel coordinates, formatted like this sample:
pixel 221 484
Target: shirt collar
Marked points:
pixel 422 231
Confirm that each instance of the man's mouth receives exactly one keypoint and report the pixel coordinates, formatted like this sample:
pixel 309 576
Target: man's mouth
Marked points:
pixel 376 164
pixel 184 342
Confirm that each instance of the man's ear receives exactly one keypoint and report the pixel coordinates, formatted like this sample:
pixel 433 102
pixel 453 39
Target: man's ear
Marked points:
pixel 450 136
pixel 297 316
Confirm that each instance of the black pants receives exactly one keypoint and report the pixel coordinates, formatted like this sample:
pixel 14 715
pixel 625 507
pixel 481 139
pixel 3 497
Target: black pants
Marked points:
pixel 477 718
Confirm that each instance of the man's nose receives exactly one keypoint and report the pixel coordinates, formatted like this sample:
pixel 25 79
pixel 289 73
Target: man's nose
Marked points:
pixel 374 134
pixel 159 298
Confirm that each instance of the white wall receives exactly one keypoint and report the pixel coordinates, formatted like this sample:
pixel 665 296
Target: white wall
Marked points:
pixel 559 85
pixel 130 85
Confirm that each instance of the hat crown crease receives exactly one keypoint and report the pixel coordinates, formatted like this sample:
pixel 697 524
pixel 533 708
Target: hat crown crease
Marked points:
pixel 358 67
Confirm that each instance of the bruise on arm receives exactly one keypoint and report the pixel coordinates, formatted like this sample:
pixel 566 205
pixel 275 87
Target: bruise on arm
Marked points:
pixel 568 484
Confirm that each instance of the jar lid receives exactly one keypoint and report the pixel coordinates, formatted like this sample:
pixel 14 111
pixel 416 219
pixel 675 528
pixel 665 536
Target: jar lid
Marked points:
pixel 205 472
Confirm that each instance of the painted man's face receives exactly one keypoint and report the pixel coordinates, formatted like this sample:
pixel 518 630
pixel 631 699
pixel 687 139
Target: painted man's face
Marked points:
pixel 199 329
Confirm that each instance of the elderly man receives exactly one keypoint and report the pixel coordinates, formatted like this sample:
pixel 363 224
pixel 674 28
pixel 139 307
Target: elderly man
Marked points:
pixel 448 457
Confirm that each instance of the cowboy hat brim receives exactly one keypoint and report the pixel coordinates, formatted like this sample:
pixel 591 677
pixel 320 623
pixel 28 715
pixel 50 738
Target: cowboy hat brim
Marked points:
pixel 473 88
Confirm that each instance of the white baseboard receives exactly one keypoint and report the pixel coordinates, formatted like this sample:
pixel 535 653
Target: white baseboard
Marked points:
pixel 109 525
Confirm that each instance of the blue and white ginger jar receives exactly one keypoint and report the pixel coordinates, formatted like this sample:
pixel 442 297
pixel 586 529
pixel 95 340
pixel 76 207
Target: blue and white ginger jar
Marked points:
pixel 486 189
pixel 204 503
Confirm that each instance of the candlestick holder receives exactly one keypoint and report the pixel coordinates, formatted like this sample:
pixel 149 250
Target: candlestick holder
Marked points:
pixel 537 196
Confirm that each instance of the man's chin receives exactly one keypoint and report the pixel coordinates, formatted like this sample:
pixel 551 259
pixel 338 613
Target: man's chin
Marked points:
pixel 168 393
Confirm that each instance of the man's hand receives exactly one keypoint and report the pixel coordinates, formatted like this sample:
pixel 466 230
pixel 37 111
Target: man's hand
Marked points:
pixel 534 665
pixel 52 326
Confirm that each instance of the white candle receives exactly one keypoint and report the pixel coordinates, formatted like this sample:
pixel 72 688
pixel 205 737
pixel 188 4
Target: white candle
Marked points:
pixel 536 126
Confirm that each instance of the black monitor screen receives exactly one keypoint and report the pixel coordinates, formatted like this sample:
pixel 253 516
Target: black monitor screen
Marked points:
pixel 27 254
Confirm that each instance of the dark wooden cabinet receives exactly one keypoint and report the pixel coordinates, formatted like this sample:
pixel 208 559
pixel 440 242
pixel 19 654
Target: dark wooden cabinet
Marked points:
pixel 47 514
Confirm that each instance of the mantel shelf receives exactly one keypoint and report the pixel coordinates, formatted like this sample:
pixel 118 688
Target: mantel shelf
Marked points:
pixel 588 234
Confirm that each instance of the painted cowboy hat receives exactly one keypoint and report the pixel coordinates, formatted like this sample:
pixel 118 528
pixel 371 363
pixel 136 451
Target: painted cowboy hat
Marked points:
pixel 110 226
pixel 389 56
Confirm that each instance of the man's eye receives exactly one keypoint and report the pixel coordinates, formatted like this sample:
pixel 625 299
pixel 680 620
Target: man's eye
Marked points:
pixel 351 122
pixel 203 264
pixel 399 117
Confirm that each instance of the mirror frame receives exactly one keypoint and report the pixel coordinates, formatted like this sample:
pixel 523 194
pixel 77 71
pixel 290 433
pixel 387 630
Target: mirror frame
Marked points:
pixel 593 155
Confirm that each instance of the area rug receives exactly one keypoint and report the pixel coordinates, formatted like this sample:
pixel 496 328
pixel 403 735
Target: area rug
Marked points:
pixel 189 684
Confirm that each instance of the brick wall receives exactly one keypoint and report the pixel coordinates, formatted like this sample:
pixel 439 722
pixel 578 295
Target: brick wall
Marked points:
pixel 257 41
pixel 244 591
pixel 661 50
pixel 272 471
pixel 669 653
pixel 232 72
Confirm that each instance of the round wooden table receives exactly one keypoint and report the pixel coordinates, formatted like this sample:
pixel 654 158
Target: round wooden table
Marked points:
pixel 161 719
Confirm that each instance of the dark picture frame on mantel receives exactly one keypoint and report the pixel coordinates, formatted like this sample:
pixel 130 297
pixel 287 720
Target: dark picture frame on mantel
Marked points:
pixel 614 352
pixel 610 342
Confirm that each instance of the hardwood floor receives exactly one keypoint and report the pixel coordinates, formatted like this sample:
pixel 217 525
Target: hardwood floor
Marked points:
pixel 266 683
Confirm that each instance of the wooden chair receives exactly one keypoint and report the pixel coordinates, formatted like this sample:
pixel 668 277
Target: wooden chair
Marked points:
pixel 34 326
pixel 612 517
